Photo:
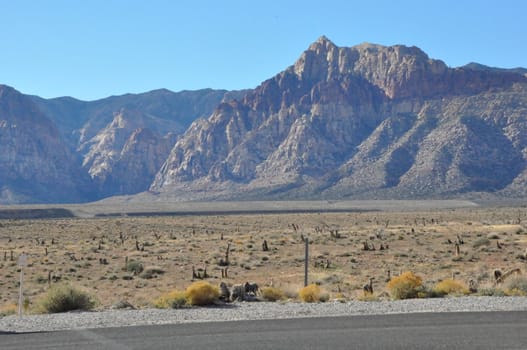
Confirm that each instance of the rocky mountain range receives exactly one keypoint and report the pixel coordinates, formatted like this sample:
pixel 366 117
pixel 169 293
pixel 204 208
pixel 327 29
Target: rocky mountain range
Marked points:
pixel 67 150
pixel 367 121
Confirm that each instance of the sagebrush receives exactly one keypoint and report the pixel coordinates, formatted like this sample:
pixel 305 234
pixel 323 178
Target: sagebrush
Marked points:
pixel 63 298
pixel 310 294
pixel 202 293
pixel 272 294
pixel 516 285
pixel 405 286
pixel 134 266
pixel 174 299
pixel 450 287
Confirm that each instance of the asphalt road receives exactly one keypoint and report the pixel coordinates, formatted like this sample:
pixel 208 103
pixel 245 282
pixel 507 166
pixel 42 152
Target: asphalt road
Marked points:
pixel 486 330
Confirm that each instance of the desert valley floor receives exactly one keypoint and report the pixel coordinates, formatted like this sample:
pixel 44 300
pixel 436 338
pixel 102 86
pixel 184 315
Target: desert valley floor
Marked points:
pixel 346 249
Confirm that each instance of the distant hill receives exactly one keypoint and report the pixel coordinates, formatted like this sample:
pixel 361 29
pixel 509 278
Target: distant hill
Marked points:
pixel 481 67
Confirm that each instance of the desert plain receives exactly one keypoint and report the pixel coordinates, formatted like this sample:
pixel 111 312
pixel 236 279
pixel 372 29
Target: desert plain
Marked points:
pixel 136 257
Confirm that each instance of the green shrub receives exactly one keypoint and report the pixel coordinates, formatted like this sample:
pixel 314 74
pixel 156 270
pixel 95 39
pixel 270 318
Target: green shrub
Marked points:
pixel 63 298
pixel 405 286
pixel 481 242
pixel 134 266
pixel 202 293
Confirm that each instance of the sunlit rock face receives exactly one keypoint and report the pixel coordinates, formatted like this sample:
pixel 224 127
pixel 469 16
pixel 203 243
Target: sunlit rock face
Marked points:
pixel 359 122
pixel 35 163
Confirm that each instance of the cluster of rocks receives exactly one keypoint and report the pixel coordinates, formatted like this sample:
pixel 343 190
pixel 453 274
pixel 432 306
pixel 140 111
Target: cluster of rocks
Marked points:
pixel 239 292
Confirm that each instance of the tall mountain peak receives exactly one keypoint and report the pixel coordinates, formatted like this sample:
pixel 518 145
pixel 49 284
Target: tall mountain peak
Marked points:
pixel 396 70
pixel 355 120
pixel 322 42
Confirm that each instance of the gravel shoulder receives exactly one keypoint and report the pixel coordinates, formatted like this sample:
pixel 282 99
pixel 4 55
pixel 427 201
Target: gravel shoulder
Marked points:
pixel 253 311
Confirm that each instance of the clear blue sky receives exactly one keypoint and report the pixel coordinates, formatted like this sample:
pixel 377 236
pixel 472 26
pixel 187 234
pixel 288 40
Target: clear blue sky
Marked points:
pixel 91 49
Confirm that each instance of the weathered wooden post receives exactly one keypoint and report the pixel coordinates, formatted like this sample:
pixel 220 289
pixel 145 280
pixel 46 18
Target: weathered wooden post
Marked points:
pixel 22 262
pixel 306 262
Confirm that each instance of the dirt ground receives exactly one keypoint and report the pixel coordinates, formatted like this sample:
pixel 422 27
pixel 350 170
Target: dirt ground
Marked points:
pixel 345 250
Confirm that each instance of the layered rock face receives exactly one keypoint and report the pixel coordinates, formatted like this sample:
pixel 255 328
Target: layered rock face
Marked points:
pixel 67 150
pixel 138 162
pixel 35 163
pixel 360 122
pixel 124 140
pixel 124 157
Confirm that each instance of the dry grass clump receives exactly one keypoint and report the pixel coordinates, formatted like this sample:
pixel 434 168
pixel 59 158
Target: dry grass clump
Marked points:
pixel 340 297
pixel 490 290
pixel 516 285
pixel 450 287
pixel 312 294
pixel 405 286
pixel 8 309
pixel 201 293
pixel 175 299
pixel 291 291
pixel 272 294
pixel 63 298
pixel 368 297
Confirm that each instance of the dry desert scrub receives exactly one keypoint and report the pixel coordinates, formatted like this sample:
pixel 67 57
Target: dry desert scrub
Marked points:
pixel 134 257
pixel 405 286
pixel 175 299
pixel 201 293
pixel 272 294
pixel 516 285
pixel 450 287
pixel 134 266
pixel 8 309
pixel 312 294
pixel 63 298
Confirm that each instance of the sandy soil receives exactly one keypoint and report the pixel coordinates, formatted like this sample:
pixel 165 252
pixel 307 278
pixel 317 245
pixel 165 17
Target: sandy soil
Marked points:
pixel 92 252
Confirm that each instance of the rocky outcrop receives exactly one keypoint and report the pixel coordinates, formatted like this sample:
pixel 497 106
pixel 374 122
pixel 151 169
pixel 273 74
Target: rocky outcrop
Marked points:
pixel 79 121
pixel 67 150
pixel 399 71
pixel 366 121
pixel 124 157
pixel 35 163
pixel 137 163
pixel 123 140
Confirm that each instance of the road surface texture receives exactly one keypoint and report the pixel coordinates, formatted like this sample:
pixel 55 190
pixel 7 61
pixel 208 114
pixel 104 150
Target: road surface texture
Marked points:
pixel 459 330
